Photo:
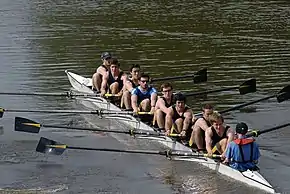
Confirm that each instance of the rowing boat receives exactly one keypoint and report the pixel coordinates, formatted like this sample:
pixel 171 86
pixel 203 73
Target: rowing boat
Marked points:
pixel 252 178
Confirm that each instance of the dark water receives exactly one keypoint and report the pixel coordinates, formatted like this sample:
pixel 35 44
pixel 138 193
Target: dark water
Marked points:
pixel 235 40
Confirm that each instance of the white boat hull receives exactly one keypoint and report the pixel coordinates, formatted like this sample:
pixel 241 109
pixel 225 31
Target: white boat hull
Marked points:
pixel 252 178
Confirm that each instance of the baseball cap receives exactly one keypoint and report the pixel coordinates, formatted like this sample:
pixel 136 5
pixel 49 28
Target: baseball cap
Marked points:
pixel 242 128
pixel 106 55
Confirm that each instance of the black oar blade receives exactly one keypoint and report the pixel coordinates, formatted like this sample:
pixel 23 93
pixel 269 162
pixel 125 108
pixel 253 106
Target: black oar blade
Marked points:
pixel 26 125
pixel 1 112
pixel 200 76
pixel 248 86
pixel 284 94
pixel 49 146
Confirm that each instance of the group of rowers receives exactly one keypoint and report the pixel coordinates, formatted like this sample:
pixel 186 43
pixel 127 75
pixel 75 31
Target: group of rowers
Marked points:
pixel 171 114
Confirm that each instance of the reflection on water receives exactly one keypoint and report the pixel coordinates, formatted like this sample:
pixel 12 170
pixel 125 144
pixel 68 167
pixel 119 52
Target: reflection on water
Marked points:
pixel 235 40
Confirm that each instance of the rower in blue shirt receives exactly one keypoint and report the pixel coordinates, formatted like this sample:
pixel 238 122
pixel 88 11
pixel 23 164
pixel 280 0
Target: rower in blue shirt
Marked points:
pixel 242 153
pixel 143 97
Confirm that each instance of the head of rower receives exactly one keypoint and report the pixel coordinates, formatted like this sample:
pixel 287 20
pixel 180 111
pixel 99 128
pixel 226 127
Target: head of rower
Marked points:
pixel 135 71
pixel 241 129
pixel 216 120
pixel 207 110
pixel 166 90
pixel 114 65
pixel 144 81
pixel 180 100
pixel 106 56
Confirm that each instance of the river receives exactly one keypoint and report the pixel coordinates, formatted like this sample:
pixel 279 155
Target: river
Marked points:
pixel 235 40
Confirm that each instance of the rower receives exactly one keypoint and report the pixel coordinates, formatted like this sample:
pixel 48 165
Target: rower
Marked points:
pixel 179 116
pixel 242 153
pixel 101 71
pixel 162 105
pixel 218 136
pixel 143 97
pixel 113 81
pixel 130 84
pixel 200 126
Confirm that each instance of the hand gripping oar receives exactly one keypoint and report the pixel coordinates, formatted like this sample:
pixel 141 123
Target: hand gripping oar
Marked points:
pixel 29 126
pixel 96 112
pixel 281 96
pixel 49 146
pixel 256 133
pixel 198 77
pixel 248 86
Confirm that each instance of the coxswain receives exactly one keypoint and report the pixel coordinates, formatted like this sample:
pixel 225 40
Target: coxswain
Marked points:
pixel 242 153
pixel 143 97
pixel 179 116
pixel 163 105
pixel 217 136
pixel 113 81
pixel 200 126
pixel 101 71
pixel 131 83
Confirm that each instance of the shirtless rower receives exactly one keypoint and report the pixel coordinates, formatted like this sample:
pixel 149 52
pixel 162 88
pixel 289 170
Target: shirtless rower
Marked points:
pixel 143 97
pixel 130 84
pixel 200 126
pixel 163 104
pixel 217 136
pixel 101 71
pixel 179 116
pixel 114 80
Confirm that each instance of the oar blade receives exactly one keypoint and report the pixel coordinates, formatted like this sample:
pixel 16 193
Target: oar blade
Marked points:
pixel 248 86
pixel 46 146
pixel 1 112
pixel 200 76
pixel 26 125
pixel 284 94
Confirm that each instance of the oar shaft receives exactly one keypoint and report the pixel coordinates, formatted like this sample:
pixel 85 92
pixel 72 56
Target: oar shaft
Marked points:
pixel 245 104
pixel 164 153
pixel 257 133
pixel 35 94
pixel 211 91
pixel 53 111
pixel 130 132
pixel 172 78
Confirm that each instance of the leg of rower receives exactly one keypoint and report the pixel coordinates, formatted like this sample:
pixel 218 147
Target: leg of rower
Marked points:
pixel 179 125
pixel 198 137
pixel 221 145
pixel 127 99
pixel 145 104
pixel 97 81
pixel 114 87
pixel 160 118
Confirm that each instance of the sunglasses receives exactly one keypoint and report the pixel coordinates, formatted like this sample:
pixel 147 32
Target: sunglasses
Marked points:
pixel 144 81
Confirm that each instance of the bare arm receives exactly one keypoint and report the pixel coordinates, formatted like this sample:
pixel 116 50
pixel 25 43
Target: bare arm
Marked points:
pixel 168 120
pixel 104 83
pixel 134 99
pixel 208 140
pixel 160 104
pixel 202 124
pixel 187 120
pixel 153 100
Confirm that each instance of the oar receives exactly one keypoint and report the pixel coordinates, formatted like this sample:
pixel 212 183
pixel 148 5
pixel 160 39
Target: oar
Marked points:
pixel 256 133
pixel 96 112
pixel 29 126
pixel 49 146
pixel 198 77
pixel 248 86
pixel 65 94
pixel 281 96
